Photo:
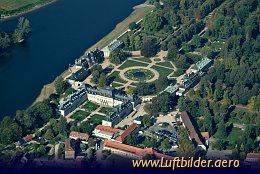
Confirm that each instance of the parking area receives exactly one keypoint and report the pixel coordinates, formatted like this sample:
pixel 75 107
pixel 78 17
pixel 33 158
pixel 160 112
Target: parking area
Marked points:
pixel 164 129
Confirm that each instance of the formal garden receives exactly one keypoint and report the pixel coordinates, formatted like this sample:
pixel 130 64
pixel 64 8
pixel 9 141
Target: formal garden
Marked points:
pixel 139 74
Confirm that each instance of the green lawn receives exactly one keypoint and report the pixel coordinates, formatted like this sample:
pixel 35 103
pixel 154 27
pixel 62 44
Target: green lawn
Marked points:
pixel 105 110
pixel 14 6
pixel 90 106
pixel 167 64
pixel 115 77
pixel 145 60
pixel 80 115
pixel 96 119
pixel 116 84
pixel 131 63
pixel 162 71
pixel 234 134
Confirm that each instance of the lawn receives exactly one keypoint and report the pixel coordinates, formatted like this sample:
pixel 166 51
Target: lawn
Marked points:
pixel 114 84
pixel 20 5
pixel 145 60
pixel 115 77
pixel 96 119
pixel 131 63
pixel 167 64
pixel 90 106
pixel 162 71
pixel 234 135
pixel 135 16
pixel 105 110
pixel 80 115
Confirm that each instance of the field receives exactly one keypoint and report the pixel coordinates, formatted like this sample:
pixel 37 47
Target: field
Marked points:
pixel 167 64
pixel 90 106
pixel 115 77
pixel 147 60
pixel 131 63
pixel 135 16
pixel 96 119
pixel 162 71
pixel 20 5
pixel 80 115
pixel 105 110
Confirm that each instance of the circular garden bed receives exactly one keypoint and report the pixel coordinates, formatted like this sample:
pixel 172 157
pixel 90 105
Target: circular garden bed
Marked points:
pixel 139 74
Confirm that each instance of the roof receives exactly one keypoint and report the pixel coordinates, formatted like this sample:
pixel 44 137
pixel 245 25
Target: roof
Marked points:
pixel 107 129
pixel 28 137
pixel 135 150
pixel 192 131
pixel 127 132
pixel 68 145
pixel 205 135
pixel 79 135
pixel 253 155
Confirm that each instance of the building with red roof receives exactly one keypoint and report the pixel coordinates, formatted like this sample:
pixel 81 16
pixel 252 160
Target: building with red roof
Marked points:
pixel 133 128
pixel 131 151
pixel 106 132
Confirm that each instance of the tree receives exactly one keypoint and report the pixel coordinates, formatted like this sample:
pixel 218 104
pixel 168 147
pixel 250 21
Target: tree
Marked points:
pixel 161 84
pixel 10 131
pixel 91 142
pixel 90 153
pixel 149 48
pixel 117 56
pixel 152 22
pixel 4 41
pixel 222 131
pixel 41 150
pixel 165 144
pixel 172 53
pixel 60 85
pixel 149 142
pixel 102 81
pixel 133 26
pixel 22 30
pixel 62 125
pixel 130 90
pixel 147 121
pixel 49 134
pixel 220 144
pixel 254 103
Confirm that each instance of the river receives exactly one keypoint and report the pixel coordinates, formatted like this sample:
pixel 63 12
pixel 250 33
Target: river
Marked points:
pixel 62 31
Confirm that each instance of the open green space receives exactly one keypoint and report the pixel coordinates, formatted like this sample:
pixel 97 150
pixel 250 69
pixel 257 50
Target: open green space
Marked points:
pixel 233 137
pixel 157 59
pixel 80 115
pixel 131 63
pixel 105 110
pixel 90 106
pixel 96 119
pixel 114 84
pixel 167 64
pixel 145 60
pixel 16 6
pixel 139 74
pixel 115 77
pixel 162 71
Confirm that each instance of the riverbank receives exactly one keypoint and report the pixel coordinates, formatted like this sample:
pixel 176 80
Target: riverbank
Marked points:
pixel 139 12
pixel 29 10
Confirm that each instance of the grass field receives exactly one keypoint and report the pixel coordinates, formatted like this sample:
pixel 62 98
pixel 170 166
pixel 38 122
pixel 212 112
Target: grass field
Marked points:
pixel 135 16
pixel 115 77
pixel 12 5
pixel 167 64
pixel 105 110
pixel 90 106
pixel 80 115
pixel 131 63
pixel 114 84
pixel 96 119
pixel 146 60
pixel 162 71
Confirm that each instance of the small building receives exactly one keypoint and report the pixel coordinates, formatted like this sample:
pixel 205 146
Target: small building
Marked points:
pixel 188 81
pixel 111 47
pixel 205 135
pixel 171 89
pixel 25 139
pixel 106 132
pixel 138 120
pixel 72 101
pixel 253 158
pixel 69 151
pixel 202 65
pixel 78 135
pixel 118 114
pixel 132 129
pixel 132 152
pixel 194 135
